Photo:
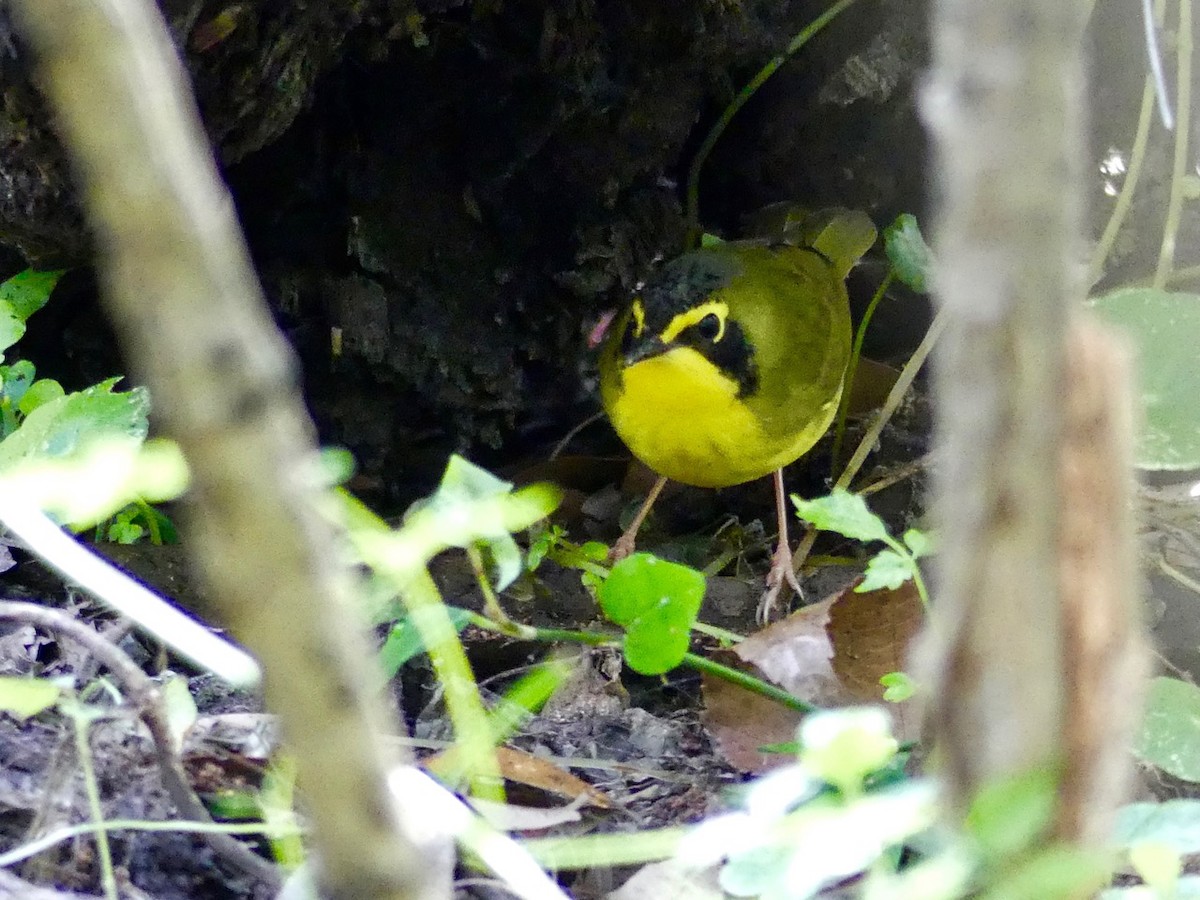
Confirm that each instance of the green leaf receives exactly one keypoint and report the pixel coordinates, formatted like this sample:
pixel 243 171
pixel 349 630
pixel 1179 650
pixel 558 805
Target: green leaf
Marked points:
pixel 60 427
pixel 20 297
pixel 758 871
pixel 1173 822
pixel 337 465
pixel 40 393
pixel 842 747
pixel 101 480
pixel 12 329
pixel 1170 732
pixel 542 544
pixel 1058 870
pixel 25 697
pixel 918 542
pixel 124 531
pixel 656 602
pixel 27 292
pixel 17 379
pixel 232 804
pixel 597 552
pixel 1008 816
pixel 1165 331
pixel 887 569
pixel 473 507
pixel 897 687
pixel 843 512
pixel 404 640
pixel 821 843
pixel 911 258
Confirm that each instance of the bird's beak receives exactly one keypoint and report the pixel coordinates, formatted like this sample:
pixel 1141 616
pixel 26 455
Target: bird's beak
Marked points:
pixel 644 349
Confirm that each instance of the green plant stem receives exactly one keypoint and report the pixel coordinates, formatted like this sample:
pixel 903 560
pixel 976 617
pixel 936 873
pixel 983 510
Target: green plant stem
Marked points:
pixel 894 398
pixel 81 720
pixel 544 635
pixel 1137 156
pixel 1177 276
pixel 602 850
pixel 691 660
pixel 724 635
pixel 747 681
pixel 1171 572
pixel 151 518
pixel 569 556
pixel 743 97
pixel 491 603
pixel 852 369
pixel 472 728
pixel 1183 87
pixel 918 581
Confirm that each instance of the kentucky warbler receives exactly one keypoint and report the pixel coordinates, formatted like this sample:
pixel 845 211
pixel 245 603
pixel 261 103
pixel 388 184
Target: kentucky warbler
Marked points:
pixel 729 363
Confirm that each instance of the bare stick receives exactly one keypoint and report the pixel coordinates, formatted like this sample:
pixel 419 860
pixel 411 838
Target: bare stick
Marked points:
pixel 1003 106
pixel 184 298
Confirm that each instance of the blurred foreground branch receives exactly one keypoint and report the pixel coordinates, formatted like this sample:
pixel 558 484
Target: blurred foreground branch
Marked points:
pixel 181 290
pixel 1038 655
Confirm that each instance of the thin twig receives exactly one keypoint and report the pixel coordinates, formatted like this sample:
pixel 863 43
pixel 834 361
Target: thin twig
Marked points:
pixel 112 587
pixel 1137 156
pixel 1180 163
pixel 907 375
pixel 742 98
pixel 81 720
pixel 144 695
pixel 1150 20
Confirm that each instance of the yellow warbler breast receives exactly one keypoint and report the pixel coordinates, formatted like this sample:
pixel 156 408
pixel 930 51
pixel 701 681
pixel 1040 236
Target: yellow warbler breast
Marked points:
pixel 729 363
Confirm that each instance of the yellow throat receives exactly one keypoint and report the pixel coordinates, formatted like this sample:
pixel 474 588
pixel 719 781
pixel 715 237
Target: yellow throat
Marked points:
pixel 729 364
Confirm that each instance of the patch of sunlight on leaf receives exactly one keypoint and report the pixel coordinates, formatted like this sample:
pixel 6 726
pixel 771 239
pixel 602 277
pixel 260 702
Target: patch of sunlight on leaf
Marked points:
pixel 842 512
pixel 63 425
pixel 25 697
pixel 101 479
pixel 1164 328
pixel 1170 734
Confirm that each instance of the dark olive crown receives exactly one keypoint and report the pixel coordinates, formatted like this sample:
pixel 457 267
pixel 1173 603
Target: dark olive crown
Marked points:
pixel 687 282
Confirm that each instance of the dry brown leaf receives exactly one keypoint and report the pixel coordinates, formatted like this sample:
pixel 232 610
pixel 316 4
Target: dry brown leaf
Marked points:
pixel 795 654
pixel 524 768
pixel 871 633
pixel 829 654
pixel 741 722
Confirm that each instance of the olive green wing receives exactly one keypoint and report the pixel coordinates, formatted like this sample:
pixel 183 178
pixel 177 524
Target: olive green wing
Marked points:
pixel 840 235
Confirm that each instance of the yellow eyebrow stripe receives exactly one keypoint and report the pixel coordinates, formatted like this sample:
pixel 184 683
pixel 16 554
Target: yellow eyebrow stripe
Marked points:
pixel 639 318
pixel 692 316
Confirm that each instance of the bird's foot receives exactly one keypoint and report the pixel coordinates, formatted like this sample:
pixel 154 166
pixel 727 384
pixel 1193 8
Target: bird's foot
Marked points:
pixel 780 573
pixel 622 547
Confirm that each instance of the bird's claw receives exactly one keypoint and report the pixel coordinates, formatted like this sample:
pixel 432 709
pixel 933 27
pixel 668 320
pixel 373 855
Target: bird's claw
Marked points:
pixel 780 573
pixel 622 547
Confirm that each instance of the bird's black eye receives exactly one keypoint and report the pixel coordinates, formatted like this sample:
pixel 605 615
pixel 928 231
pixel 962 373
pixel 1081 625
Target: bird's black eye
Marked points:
pixel 709 327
